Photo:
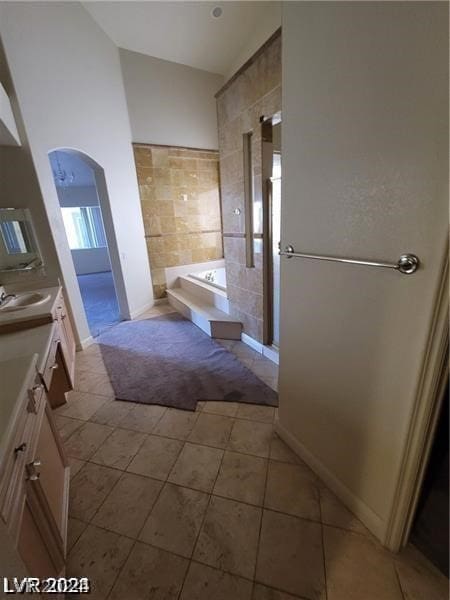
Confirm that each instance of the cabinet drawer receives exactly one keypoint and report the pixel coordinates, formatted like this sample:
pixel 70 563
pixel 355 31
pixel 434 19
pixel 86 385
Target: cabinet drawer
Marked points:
pixel 51 363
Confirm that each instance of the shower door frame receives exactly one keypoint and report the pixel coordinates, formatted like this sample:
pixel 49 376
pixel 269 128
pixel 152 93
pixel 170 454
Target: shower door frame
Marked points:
pixel 267 124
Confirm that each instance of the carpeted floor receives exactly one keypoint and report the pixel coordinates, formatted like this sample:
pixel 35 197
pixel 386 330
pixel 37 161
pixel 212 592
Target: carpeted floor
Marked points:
pixel 169 361
pixel 99 300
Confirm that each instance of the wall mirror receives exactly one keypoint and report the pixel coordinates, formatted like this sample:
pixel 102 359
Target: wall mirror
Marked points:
pixel 18 245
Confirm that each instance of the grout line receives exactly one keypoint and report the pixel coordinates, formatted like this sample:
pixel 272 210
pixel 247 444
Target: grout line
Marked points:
pixel 398 580
pixel 203 521
pixel 212 493
pixel 261 522
pixel 322 532
pixel 189 561
pixel 119 572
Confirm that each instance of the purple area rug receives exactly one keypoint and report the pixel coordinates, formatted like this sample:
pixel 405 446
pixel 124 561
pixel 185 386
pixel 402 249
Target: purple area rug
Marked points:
pixel 170 361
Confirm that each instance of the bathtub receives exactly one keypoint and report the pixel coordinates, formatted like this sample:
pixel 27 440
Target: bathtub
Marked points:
pixel 215 277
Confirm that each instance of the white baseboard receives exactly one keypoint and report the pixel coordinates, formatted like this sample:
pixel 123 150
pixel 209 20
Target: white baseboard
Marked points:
pixel 142 309
pixel 251 342
pixel 85 343
pixel 266 351
pixel 271 353
pixel 358 507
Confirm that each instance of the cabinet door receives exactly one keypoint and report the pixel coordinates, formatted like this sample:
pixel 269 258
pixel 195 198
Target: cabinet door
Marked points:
pixel 50 466
pixel 41 540
pixel 60 382
pixel 33 546
pixel 67 339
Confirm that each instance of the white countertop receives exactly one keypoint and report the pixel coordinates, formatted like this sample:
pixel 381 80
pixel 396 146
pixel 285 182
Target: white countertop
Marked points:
pixel 36 340
pixel 16 376
pixel 33 312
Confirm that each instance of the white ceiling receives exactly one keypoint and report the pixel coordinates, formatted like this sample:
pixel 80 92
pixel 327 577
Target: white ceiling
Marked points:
pixel 185 32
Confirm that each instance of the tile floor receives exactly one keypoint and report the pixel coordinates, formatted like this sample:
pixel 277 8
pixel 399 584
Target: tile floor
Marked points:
pixel 212 505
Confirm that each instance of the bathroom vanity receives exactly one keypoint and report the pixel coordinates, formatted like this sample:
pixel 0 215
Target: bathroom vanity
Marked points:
pixel 37 361
pixel 44 329
pixel 34 472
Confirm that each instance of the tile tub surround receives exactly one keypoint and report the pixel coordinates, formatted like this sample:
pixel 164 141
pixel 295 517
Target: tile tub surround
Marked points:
pixel 180 200
pixel 255 92
pixel 190 519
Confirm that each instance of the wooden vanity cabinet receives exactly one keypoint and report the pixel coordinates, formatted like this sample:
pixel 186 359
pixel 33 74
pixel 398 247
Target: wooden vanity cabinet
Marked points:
pixel 37 515
pixel 67 339
pixel 59 371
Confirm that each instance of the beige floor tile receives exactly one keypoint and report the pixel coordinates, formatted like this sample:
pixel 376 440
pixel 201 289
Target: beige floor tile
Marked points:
pixel 229 537
pixel 419 579
pixel 142 417
pixel 263 367
pixel 75 528
pixel 211 430
pixel 197 467
pixel 155 457
pixel 75 465
pixel 272 382
pixel 291 489
pixel 92 362
pixel 89 488
pixel 248 362
pixel 175 520
pixel 66 426
pixel 98 555
pixel 279 450
pixel 128 504
pixel 358 567
pixel 93 383
pixel 255 412
pixel 206 583
pixel 226 409
pixel 241 350
pixel 262 592
pixel 176 424
pixel 291 557
pixel 229 344
pixel 81 406
pixel 150 574
pixel 333 512
pixel 111 413
pixel 250 437
pixel 242 477
pixel 85 441
pixel 119 448
pixel 92 350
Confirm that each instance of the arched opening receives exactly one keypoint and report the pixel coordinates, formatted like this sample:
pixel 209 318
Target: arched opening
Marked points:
pixel 82 195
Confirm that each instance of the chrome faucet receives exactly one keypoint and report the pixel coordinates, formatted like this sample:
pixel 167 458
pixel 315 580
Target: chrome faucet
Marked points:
pixel 4 297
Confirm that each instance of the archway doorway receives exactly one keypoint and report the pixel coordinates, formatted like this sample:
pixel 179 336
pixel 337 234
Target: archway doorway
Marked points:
pixel 83 217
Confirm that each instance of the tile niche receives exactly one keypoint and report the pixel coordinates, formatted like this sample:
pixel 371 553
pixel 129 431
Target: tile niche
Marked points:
pixel 180 200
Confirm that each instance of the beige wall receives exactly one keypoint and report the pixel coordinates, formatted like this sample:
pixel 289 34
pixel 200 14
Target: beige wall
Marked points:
pixel 254 93
pixel 179 190
pixel 365 172
pixel 170 103
pixel 83 108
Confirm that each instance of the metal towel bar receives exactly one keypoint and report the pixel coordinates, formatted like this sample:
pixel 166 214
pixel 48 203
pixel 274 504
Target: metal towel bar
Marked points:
pixel 407 263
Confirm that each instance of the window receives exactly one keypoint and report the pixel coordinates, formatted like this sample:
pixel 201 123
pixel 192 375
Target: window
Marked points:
pixel 84 227
pixel 15 237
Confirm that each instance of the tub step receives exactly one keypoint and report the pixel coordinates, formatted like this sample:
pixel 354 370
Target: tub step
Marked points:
pixel 207 293
pixel 213 321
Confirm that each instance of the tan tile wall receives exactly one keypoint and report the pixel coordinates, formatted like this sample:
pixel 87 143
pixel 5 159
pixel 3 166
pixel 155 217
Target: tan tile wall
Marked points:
pixel 180 200
pixel 254 93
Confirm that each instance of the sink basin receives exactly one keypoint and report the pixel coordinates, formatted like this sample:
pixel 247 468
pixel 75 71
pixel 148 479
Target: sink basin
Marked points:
pixel 25 300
